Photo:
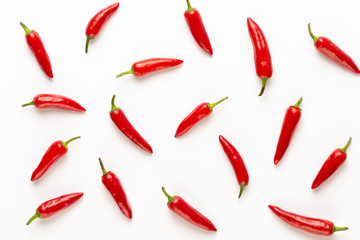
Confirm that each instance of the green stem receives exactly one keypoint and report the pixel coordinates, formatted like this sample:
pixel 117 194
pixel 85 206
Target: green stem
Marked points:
pixel 102 167
pixel 346 146
pixel 337 229
pixel 131 71
pixel 170 198
pixel 312 35
pixel 297 104
pixel 212 105
pixel 69 141
pixel 35 216
pixel 28 104
pixel 27 30
pixel 113 107
pixel 263 86
pixel 88 38
pixel 242 187
pixel 189 6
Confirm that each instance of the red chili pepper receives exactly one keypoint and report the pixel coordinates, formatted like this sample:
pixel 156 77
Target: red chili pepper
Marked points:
pixel 307 224
pixel 261 53
pixel 178 205
pixel 150 65
pixel 120 120
pixel 200 112
pixel 236 162
pixel 332 163
pixel 37 47
pixel 292 117
pixel 197 28
pixel 50 207
pixel 55 101
pixel 97 21
pixel 329 49
pixel 54 153
pixel 113 185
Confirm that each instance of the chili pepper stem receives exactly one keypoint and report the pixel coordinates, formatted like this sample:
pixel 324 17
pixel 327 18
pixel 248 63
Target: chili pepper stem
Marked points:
pixel 170 198
pixel 263 86
pixel 88 38
pixel 312 35
pixel 346 146
pixel 27 30
pixel 37 215
pixel 242 187
pixel 212 105
pixel 102 167
pixel 113 107
pixel 131 71
pixel 338 229
pixel 28 104
pixel 189 6
pixel 297 104
pixel 69 141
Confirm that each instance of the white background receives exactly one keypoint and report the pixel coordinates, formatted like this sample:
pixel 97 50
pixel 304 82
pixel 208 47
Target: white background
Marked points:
pixel 193 166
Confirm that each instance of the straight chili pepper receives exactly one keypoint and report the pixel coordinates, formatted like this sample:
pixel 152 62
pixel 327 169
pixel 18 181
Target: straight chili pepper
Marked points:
pixel 291 119
pixel 330 50
pixel 37 47
pixel 55 101
pixel 97 21
pixel 197 28
pixel 261 53
pixel 50 207
pixel 236 162
pixel 113 185
pixel 150 65
pixel 199 113
pixel 332 163
pixel 308 224
pixel 54 153
pixel 179 206
pixel 121 121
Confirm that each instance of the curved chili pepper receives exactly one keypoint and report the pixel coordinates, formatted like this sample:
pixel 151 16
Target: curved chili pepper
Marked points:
pixel 292 117
pixel 55 101
pixel 120 120
pixel 332 163
pixel 236 162
pixel 307 224
pixel 113 185
pixel 200 112
pixel 178 205
pixel 329 49
pixel 52 206
pixel 54 153
pixel 37 47
pixel 97 21
pixel 261 53
pixel 150 65
pixel 197 28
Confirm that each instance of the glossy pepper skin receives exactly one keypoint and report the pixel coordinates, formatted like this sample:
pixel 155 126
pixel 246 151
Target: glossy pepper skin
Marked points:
pixel 330 50
pixel 52 206
pixel 97 21
pixel 150 65
pixel 121 121
pixel 307 224
pixel 55 101
pixel 37 47
pixel 179 206
pixel 291 119
pixel 332 163
pixel 54 153
pixel 197 28
pixel 262 55
pixel 113 185
pixel 199 113
pixel 237 163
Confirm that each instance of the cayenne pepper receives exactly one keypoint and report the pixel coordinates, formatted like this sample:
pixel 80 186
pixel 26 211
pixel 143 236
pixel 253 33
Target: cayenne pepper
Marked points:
pixel 261 53
pixel 54 153
pixel 329 49
pixel 37 47
pixel 236 162
pixel 113 185
pixel 179 206
pixel 55 101
pixel 121 121
pixel 150 65
pixel 50 207
pixel 291 119
pixel 197 28
pixel 199 113
pixel 308 224
pixel 97 21
pixel 332 163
